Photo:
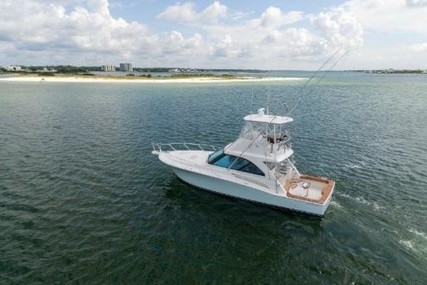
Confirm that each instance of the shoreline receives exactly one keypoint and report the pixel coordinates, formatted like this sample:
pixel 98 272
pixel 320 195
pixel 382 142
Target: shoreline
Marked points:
pixel 81 79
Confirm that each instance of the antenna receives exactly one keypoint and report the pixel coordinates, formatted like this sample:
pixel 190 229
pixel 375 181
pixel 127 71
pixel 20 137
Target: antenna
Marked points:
pixel 252 100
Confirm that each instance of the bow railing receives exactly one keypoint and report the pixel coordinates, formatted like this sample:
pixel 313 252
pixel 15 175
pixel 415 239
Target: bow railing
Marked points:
pixel 160 147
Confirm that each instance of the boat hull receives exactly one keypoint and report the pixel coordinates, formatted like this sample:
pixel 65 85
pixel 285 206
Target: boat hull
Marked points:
pixel 232 189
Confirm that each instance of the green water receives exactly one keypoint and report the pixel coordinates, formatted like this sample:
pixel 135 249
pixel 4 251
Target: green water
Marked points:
pixel 83 200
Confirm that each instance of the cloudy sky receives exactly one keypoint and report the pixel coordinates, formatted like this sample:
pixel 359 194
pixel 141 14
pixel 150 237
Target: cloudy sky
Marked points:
pixel 268 34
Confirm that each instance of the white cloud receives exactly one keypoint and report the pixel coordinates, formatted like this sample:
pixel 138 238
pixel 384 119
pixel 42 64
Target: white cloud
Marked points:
pixel 214 12
pixel 422 47
pixel 175 44
pixel 391 16
pixel 339 27
pixel 270 36
pixel 187 13
pixel 390 27
pixel 87 28
pixel 225 48
pixel 273 17
pixel 180 13
pixel 416 3
pixel 86 32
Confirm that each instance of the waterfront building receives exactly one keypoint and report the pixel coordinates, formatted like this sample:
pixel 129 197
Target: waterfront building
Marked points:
pixel 107 68
pixel 127 67
pixel 13 68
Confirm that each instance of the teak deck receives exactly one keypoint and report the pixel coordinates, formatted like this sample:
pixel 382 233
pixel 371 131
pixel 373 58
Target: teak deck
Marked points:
pixel 326 190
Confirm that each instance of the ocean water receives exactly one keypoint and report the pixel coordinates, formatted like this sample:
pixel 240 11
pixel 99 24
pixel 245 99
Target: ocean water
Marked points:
pixel 83 200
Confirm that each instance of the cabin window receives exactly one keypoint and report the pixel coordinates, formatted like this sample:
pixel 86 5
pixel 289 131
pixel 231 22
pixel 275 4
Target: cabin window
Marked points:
pixel 219 158
pixel 249 167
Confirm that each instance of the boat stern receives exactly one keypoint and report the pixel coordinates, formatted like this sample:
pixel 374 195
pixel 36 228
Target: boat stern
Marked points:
pixel 314 192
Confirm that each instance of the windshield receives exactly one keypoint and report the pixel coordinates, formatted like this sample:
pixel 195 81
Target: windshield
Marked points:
pixel 215 155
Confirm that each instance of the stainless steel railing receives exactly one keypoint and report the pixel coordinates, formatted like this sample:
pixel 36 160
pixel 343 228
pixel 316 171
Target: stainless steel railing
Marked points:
pixel 159 147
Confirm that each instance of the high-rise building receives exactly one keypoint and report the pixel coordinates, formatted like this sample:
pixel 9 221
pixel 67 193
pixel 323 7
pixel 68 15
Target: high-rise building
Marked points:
pixel 107 68
pixel 127 67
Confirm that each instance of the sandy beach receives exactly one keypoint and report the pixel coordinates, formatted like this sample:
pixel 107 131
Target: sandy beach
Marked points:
pixel 78 79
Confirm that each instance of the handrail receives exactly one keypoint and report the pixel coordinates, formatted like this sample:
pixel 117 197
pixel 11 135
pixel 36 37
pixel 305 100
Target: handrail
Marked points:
pixel 159 147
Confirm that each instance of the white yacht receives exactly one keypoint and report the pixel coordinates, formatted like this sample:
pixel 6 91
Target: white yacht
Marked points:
pixel 257 167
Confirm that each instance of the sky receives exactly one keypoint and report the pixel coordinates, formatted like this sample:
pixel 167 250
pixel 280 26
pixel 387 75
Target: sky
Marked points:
pixel 268 34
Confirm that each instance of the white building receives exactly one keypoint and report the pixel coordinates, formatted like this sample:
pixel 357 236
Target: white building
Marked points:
pixel 107 68
pixel 127 67
pixel 13 68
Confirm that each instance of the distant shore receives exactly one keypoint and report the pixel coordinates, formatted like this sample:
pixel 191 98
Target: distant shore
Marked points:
pixel 100 79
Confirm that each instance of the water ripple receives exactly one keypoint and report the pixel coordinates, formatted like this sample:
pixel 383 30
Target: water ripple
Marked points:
pixel 82 200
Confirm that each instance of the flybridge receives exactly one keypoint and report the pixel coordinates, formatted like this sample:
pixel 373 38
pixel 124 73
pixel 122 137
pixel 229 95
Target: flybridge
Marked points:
pixel 263 138
pixel 261 117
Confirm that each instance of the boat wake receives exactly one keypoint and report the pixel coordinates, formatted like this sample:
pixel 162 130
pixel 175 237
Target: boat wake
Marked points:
pixel 416 242
pixel 418 234
pixel 354 165
pixel 335 204
pixel 409 244
pixel 360 200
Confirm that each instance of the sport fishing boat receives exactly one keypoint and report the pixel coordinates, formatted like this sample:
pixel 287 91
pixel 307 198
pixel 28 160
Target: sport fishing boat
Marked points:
pixel 256 167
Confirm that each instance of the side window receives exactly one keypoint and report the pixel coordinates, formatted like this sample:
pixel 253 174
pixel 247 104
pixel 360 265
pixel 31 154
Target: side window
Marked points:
pixel 252 168
pixel 240 164
pixel 219 158
pixel 223 160
pixel 247 166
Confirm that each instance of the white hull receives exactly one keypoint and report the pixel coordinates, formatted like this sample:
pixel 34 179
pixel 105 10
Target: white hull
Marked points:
pixel 256 167
pixel 240 191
